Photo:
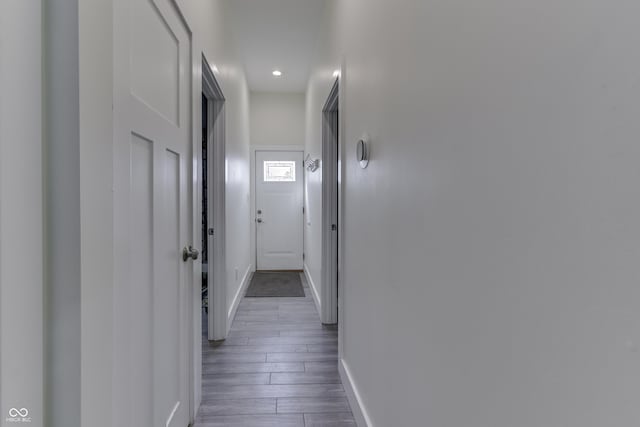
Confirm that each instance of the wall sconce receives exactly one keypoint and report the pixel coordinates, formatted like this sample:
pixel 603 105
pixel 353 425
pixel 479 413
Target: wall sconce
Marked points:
pixel 362 151
pixel 311 164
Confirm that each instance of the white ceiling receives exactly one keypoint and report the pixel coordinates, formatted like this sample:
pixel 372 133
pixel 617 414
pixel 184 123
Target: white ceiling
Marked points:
pixel 276 34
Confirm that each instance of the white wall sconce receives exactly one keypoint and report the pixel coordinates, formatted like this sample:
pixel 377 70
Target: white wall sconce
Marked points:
pixel 311 164
pixel 362 151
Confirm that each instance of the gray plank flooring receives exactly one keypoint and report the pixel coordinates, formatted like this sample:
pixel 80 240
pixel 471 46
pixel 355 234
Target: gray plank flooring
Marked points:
pixel 278 367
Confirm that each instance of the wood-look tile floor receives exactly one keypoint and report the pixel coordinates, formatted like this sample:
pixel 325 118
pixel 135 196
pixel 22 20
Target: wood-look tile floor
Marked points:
pixel 277 368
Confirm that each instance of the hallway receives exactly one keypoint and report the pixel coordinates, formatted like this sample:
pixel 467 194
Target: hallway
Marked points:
pixel 278 367
pixel 463 177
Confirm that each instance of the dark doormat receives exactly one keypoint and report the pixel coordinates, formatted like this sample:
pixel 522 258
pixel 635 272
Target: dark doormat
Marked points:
pixel 275 284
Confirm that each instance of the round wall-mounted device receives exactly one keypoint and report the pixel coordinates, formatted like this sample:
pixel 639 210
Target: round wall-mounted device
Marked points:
pixel 362 152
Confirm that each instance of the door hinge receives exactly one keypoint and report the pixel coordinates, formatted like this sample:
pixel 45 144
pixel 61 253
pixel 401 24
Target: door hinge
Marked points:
pixel 333 227
pixel 303 256
pixel 303 209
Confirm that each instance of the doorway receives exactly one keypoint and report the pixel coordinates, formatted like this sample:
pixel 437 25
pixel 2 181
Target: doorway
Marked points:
pixel 330 205
pixel 279 210
pixel 213 207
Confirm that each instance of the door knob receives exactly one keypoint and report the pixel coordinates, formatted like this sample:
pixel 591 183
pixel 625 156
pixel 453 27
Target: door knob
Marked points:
pixel 189 253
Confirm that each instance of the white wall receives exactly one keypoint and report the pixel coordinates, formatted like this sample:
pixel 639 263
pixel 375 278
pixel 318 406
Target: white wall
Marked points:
pixel 492 245
pixel 277 118
pixel 21 213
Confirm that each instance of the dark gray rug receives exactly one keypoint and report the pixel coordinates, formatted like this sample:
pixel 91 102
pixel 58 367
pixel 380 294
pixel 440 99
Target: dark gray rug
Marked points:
pixel 275 284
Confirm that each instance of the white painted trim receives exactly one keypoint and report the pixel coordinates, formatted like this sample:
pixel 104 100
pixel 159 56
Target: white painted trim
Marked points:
pixel 195 350
pixel 242 289
pixel 253 254
pixel 341 174
pixel 216 140
pixel 252 190
pixel 358 408
pixel 330 206
pixel 314 289
pixel 173 413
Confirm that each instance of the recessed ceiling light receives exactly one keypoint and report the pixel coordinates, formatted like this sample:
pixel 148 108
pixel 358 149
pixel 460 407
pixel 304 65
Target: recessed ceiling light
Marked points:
pixel 277 73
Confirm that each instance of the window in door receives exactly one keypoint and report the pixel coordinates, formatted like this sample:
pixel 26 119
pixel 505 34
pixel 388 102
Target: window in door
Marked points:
pixel 279 171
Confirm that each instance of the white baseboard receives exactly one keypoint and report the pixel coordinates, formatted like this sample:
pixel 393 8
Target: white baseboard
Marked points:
pixel 355 400
pixel 246 279
pixel 314 290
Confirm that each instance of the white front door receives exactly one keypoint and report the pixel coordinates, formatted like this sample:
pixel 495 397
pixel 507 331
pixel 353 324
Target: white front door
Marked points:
pixel 279 216
pixel 152 137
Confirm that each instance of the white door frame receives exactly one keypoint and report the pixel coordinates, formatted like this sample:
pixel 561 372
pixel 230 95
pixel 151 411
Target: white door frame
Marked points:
pixel 341 174
pixel 330 205
pixel 217 294
pixel 252 191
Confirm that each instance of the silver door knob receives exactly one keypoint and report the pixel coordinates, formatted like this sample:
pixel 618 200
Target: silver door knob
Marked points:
pixel 259 220
pixel 189 253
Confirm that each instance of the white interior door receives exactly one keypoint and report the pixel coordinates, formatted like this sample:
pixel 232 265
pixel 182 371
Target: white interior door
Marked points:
pixel 279 216
pixel 153 151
